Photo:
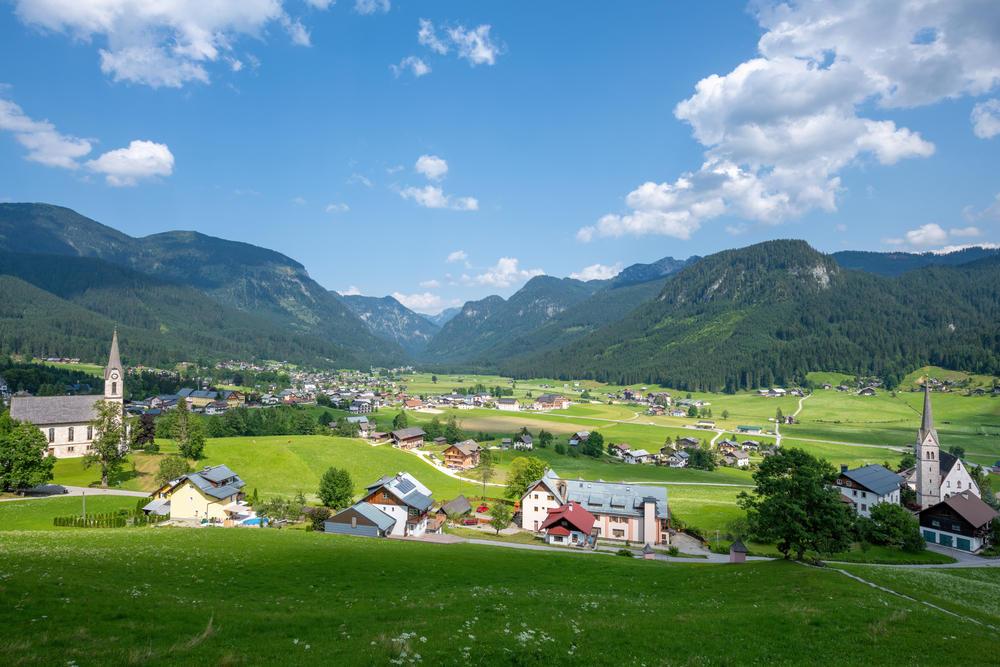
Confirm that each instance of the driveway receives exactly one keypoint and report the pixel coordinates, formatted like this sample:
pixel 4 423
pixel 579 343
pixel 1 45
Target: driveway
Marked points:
pixel 54 491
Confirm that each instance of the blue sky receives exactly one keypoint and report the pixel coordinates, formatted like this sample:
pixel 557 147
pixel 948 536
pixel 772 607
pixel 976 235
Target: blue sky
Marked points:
pixel 449 150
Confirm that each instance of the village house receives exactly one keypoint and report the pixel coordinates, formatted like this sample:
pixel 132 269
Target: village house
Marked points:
pixel 738 458
pixel 578 437
pixel 961 521
pixel 687 441
pixel 568 524
pixel 551 402
pixel 405 500
pixel 213 494
pixel 727 446
pixel 867 486
pixel 408 438
pixel 65 420
pixel 508 404
pixel 637 456
pixel 678 459
pixel 458 507
pixel 637 513
pixel 621 449
pixel 749 429
pixel 360 407
pixel 524 442
pixel 749 445
pixel 705 423
pixel 361 519
pixel 463 455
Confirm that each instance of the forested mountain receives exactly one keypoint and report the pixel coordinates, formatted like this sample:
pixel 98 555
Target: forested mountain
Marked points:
pixel 771 312
pixel 489 322
pixel 391 320
pixel 643 273
pixel 895 263
pixel 67 306
pixel 248 278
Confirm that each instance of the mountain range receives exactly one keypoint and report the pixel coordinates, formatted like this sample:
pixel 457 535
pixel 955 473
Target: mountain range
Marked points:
pixel 735 319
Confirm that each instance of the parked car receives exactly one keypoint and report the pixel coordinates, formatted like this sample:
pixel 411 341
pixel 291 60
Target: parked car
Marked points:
pixel 470 521
pixel 483 508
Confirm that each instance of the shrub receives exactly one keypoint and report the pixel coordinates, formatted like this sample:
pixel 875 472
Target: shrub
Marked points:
pixel 625 552
pixel 673 551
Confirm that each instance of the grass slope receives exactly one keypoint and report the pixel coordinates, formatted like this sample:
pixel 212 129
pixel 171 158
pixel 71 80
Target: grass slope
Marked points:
pixel 211 596
pixel 37 513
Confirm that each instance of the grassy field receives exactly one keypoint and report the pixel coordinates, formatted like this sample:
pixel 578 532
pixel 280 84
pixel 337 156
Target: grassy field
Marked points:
pixel 219 596
pixel 37 513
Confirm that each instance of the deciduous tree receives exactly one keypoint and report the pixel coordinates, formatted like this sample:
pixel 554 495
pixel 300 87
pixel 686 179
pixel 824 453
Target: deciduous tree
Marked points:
pixel 108 448
pixel 400 421
pixel 23 460
pixel 171 467
pixel 336 489
pixel 500 516
pixel 524 470
pixel 485 470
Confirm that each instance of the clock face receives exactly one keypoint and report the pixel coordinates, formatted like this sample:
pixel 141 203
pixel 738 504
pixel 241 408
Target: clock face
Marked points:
pixel 114 376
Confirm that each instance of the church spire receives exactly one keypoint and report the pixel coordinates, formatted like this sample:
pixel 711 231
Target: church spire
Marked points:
pixel 114 360
pixel 927 424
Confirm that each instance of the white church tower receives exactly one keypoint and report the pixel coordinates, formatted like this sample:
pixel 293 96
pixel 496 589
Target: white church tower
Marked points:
pixel 928 453
pixel 114 375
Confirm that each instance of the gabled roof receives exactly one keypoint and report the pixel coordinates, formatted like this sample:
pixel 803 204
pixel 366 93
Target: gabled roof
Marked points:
pixel 574 514
pixel 44 410
pixel 459 505
pixel 383 521
pixel 407 489
pixel 970 507
pixel 467 447
pixel 407 433
pixel 606 497
pixel 875 478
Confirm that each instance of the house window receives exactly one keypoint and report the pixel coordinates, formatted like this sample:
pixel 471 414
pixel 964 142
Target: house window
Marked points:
pixel 90 433
pixel 69 434
pixel 956 527
pixel 864 495
pixel 618 533
pixel 864 508
pixel 855 493
pixel 52 435
pixel 960 484
pixel 70 449
pixel 948 484
pixel 935 523
pixel 354 522
pixel 114 388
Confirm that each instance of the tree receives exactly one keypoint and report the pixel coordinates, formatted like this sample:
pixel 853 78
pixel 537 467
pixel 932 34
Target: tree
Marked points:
pixel 400 421
pixel 544 438
pixel 593 445
pixel 23 460
pixel 778 417
pixel 187 432
pixel 347 429
pixel 500 515
pixel 796 505
pixel 985 483
pixel 317 516
pixel 560 448
pixel 171 467
pixel 324 401
pixel 524 471
pixel 336 489
pixel 325 418
pixel 700 459
pixel 725 414
pixel 693 411
pixel 108 448
pixel 452 432
pixel 434 379
pixel 278 509
pixel 486 468
pixel 893 526
pixel 144 432
pixel 908 461
pixel 957 450
pixel 434 428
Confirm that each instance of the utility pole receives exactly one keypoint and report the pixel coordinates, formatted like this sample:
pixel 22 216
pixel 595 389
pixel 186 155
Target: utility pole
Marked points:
pixel 83 496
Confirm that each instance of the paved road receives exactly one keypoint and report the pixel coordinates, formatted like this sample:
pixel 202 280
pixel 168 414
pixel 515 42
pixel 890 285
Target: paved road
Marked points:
pixel 81 490
pixel 607 551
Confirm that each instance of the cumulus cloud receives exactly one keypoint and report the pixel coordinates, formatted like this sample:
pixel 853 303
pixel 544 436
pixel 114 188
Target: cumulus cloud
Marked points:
pixel 141 160
pixel 416 66
pixel 505 273
pixel 127 166
pixel 425 302
pixel 986 119
pixel 967 231
pixel 431 196
pixel 473 44
pixel 432 167
pixel 337 208
pixel 457 256
pixel 597 272
pixel 926 235
pixel 779 128
pixel 350 291
pixel 371 6
pixel 299 201
pixel 163 44
pixel 932 234
pixel 430 284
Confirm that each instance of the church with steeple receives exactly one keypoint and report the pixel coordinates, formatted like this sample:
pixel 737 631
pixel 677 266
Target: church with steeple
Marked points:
pixel 938 474
pixel 65 420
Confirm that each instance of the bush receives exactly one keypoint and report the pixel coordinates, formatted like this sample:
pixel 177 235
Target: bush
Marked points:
pixel 673 551
pixel 316 517
pixel 560 448
pixel 625 552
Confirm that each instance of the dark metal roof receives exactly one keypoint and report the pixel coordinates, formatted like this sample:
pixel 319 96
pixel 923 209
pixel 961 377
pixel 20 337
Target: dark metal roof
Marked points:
pixel 44 410
pixel 875 478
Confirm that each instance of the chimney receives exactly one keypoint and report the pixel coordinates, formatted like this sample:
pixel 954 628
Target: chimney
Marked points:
pixel 843 467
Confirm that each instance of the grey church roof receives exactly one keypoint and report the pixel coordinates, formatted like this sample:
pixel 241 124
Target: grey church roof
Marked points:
pixel 875 478
pixel 45 410
pixel 927 422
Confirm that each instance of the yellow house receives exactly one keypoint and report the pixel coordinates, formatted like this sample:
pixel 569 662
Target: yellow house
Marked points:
pixel 206 495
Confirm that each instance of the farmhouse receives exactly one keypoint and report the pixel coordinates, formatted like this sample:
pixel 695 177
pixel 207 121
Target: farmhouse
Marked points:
pixel 637 456
pixel 408 438
pixel 524 442
pixel 65 420
pixel 362 519
pixel 578 437
pixel 739 458
pixel 568 524
pixel 678 459
pixel 463 454
pixel 621 511
pixel 551 402
pixel 405 500
pixel 868 486
pixel 621 449
pixel 688 441
pixel 508 404
pixel 961 521
pixel 213 494
pixel 748 429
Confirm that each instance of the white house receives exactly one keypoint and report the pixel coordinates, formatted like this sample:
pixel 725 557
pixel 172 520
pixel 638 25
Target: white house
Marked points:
pixel 867 486
pixel 508 404
pixel 637 456
pixel 404 499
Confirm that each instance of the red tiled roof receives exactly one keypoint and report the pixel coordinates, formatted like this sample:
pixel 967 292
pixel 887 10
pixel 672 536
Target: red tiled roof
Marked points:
pixel 575 515
pixel 558 530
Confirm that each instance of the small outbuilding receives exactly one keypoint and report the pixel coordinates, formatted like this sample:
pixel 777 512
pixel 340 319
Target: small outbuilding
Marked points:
pixel 738 552
pixel 361 519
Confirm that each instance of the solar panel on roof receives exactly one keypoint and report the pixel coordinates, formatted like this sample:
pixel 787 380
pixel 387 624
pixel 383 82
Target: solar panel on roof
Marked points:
pixel 405 486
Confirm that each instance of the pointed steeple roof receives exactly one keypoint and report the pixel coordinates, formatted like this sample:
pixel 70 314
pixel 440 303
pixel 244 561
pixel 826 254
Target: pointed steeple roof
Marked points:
pixel 927 424
pixel 114 360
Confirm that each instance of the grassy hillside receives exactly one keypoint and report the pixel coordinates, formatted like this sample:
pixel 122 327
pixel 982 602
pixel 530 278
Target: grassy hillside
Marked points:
pixel 37 514
pixel 211 596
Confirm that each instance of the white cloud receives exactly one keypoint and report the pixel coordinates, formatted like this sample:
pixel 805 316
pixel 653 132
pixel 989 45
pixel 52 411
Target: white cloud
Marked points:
pixel 597 272
pixel 337 208
pixel 350 291
pixel 955 248
pixel 473 44
pixel 165 43
pixel 417 66
pixel 967 231
pixel 393 170
pixel 991 212
pixel 431 196
pixel 425 302
pixel 45 145
pixel 840 227
pixel 432 167
pixel 457 256
pixel 778 129
pixel 925 235
pixel 986 119
pixel 430 284
pixel 505 273
pixel 427 36
pixel 299 201
pixel 359 179
pixel 127 166
pixel 371 6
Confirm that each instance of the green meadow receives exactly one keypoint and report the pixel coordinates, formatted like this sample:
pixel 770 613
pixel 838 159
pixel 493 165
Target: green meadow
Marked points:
pixel 37 513
pixel 243 596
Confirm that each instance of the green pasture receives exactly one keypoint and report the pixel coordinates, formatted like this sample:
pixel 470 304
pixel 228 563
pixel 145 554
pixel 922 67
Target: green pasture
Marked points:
pixel 37 513
pixel 213 596
pixel 852 456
